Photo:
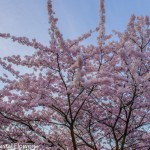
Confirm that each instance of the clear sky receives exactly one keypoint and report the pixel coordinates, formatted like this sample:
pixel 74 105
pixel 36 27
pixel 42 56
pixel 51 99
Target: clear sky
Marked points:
pixel 29 18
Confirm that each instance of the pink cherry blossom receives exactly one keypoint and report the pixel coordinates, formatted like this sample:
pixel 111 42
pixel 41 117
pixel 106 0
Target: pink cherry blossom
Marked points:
pixel 79 97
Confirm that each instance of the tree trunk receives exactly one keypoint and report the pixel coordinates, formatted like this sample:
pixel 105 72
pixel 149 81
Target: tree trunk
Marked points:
pixel 73 139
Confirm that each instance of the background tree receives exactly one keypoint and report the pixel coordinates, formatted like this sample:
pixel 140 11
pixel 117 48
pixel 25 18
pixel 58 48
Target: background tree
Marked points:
pixel 76 96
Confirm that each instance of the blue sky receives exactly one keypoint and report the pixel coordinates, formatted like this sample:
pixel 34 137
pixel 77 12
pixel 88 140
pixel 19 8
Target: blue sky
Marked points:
pixel 29 18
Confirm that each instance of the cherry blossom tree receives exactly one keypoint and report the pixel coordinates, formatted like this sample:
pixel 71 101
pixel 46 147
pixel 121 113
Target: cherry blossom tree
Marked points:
pixel 79 97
